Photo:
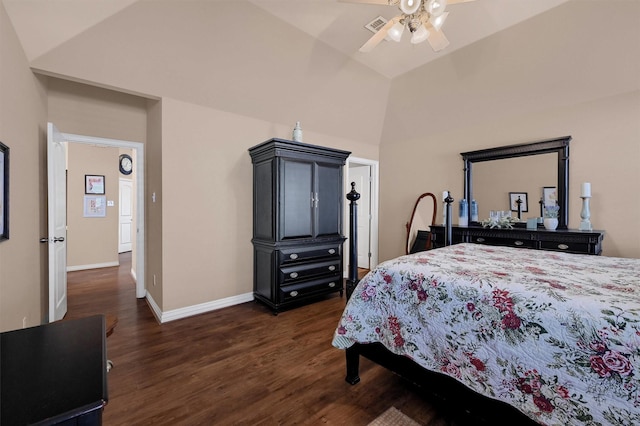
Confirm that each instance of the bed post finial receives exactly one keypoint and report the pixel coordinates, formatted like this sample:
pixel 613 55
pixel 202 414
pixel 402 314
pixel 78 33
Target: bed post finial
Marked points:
pixel 448 233
pixel 352 276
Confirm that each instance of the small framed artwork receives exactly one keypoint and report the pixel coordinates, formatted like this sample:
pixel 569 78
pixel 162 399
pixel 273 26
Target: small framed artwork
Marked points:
pixel 93 184
pixel 549 196
pixel 4 192
pixel 513 201
pixel 95 206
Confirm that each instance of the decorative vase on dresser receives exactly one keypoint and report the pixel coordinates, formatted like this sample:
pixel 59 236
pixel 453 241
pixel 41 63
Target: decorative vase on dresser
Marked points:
pixel 297 222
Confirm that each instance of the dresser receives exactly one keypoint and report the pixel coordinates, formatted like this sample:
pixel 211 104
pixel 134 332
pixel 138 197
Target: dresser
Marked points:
pixel 297 222
pixel 567 240
pixel 54 373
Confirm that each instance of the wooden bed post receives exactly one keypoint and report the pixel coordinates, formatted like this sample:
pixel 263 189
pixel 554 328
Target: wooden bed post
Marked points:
pixel 448 226
pixel 352 354
pixel 352 276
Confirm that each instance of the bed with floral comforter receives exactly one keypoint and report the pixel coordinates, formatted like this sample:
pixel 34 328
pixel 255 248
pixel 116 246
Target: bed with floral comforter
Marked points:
pixel 555 335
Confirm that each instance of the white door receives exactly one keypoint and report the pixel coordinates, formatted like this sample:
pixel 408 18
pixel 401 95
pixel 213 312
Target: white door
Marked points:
pixel 361 176
pixel 126 215
pixel 57 226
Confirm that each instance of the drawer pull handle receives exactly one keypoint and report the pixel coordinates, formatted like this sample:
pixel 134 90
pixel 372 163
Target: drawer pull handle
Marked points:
pixel 563 246
pixel 293 256
pixel 293 293
pixel 518 243
pixel 293 275
pixel 332 268
pixel 480 240
pixel 332 284
pixel 332 251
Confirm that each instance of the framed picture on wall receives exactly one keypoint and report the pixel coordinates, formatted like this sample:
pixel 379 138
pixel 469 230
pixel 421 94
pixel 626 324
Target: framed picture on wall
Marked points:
pixel 95 206
pixel 93 184
pixel 513 201
pixel 4 192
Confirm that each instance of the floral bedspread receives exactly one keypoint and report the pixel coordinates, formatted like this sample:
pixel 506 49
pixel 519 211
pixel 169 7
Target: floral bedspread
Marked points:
pixel 556 335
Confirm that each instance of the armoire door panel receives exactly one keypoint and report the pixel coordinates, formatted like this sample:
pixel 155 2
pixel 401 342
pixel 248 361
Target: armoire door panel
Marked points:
pixel 329 210
pixel 296 182
pixel 263 200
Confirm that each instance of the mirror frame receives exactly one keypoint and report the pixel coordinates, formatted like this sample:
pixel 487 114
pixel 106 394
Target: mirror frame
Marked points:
pixel 557 145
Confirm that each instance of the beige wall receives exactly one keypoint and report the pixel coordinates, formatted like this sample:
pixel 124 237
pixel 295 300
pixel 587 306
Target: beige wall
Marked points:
pixel 91 241
pixel 524 85
pixel 85 110
pixel 23 296
pixel 153 209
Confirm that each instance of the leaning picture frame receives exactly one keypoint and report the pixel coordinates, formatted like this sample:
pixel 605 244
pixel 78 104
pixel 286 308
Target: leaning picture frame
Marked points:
pixel 4 192
pixel 513 198
pixel 94 184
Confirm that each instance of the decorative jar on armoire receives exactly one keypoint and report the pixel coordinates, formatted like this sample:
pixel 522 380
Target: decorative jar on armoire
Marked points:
pixel 297 222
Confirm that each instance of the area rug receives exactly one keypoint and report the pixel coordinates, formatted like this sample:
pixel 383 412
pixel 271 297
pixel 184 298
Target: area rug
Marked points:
pixel 393 417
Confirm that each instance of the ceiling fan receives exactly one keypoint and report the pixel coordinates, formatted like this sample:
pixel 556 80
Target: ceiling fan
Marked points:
pixel 424 18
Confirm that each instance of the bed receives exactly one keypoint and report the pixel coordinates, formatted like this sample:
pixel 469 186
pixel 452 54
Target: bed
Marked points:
pixel 554 335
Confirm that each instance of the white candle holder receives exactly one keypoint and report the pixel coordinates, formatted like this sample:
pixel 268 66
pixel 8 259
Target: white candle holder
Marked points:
pixel 585 214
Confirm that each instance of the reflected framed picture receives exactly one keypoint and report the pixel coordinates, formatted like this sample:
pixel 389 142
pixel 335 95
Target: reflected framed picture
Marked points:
pixel 93 184
pixel 549 196
pixel 513 201
pixel 4 192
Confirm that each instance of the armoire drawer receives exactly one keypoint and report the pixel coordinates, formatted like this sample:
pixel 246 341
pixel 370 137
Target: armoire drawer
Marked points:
pixel 301 254
pixel 301 290
pixel 302 271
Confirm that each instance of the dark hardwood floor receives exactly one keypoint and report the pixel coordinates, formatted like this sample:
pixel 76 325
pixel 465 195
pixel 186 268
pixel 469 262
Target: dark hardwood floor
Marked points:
pixel 235 366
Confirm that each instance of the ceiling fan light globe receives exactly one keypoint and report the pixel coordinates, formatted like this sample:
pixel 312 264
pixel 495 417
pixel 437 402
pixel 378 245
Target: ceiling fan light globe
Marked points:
pixel 395 32
pixel 419 35
pixel 437 21
pixel 410 7
pixel 436 7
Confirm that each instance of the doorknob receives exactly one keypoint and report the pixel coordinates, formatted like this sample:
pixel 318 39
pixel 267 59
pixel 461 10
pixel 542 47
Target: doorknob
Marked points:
pixel 55 240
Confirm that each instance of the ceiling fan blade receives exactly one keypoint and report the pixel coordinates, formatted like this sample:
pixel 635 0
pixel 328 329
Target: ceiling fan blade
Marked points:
pixel 436 39
pixel 383 2
pixel 379 36
pixel 458 1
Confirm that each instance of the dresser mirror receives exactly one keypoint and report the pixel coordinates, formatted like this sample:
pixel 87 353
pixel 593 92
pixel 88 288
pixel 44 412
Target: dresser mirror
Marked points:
pixel 490 174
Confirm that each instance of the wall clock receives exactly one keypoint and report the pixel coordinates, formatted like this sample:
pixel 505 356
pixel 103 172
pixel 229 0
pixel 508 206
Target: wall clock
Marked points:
pixel 126 164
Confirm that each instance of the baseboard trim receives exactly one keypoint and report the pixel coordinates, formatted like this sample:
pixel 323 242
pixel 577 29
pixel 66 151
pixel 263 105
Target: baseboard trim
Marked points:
pixel 93 266
pixel 201 308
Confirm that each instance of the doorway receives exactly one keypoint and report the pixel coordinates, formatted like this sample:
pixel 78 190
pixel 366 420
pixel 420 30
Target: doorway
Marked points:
pixel 137 149
pixel 364 173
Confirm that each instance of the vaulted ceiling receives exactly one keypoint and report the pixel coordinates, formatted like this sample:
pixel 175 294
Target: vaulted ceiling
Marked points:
pixel 338 24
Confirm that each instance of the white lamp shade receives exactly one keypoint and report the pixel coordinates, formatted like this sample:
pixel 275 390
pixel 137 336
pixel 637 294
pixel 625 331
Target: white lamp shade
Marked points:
pixel 436 7
pixel 437 21
pixel 395 32
pixel 420 35
pixel 410 6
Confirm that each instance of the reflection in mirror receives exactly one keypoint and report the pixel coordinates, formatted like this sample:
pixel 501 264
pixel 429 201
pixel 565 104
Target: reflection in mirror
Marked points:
pixel 494 180
pixel 558 147
pixel 422 217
